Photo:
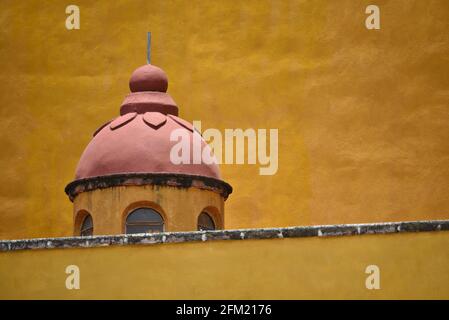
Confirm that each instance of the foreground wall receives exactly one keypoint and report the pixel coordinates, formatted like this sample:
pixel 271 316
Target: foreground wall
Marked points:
pixel 305 263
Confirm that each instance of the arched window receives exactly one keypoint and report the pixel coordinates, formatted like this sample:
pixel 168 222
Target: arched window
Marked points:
pixel 205 222
pixel 144 220
pixel 87 227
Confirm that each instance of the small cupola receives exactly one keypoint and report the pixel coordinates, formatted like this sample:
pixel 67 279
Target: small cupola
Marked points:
pixel 126 182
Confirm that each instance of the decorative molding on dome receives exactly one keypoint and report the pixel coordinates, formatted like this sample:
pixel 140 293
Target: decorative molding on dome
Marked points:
pixel 121 121
pixel 139 179
pixel 149 101
pixel 182 122
pixel 154 119
pixel 101 127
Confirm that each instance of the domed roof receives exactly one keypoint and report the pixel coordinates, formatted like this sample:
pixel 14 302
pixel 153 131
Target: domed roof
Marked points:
pixel 138 141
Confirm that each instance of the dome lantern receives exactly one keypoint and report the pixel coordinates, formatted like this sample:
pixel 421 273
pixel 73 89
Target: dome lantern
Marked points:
pixel 127 167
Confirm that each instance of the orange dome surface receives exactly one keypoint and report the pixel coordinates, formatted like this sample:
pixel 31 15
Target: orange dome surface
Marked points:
pixel 138 141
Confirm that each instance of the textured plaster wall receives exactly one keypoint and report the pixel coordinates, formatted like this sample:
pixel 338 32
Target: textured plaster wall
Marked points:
pixel 362 115
pixel 412 265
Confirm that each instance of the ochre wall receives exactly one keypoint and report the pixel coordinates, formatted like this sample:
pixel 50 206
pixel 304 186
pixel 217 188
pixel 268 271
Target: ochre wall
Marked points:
pixel 362 115
pixel 180 208
pixel 412 265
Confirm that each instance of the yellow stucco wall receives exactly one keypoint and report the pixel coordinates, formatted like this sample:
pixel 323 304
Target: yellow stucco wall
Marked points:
pixel 180 208
pixel 362 115
pixel 412 265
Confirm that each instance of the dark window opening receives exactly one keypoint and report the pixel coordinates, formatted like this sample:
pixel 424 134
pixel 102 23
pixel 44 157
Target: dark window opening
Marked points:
pixel 87 227
pixel 144 220
pixel 205 222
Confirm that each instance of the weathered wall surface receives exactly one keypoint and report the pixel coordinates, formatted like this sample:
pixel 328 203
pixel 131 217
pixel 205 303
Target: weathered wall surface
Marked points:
pixel 362 115
pixel 412 265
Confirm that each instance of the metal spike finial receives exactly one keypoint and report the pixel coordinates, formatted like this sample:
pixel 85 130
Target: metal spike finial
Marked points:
pixel 149 47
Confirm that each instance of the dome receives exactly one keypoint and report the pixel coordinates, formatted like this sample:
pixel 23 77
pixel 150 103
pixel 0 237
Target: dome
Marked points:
pixel 138 141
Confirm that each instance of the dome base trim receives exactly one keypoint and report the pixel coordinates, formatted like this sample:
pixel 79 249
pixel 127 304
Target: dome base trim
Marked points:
pixel 142 102
pixel 140 179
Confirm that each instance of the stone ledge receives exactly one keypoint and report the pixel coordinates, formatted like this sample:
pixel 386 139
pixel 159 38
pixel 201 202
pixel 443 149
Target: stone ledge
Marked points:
pixel 239 234
pixel 156 179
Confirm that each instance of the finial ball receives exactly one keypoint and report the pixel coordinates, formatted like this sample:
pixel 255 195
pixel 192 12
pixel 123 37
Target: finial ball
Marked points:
pixel 148 78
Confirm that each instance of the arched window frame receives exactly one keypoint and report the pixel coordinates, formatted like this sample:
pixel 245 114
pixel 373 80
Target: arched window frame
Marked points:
pixel 203 227
pixel 143 204
pixel 87 230
pixel 80 218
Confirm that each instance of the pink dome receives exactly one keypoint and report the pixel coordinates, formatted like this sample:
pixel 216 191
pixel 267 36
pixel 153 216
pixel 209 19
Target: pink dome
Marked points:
pixel 138 141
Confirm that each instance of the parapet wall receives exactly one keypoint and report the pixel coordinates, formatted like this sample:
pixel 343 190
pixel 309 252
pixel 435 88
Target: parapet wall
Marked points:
pixel 239 234
pixel 325 262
